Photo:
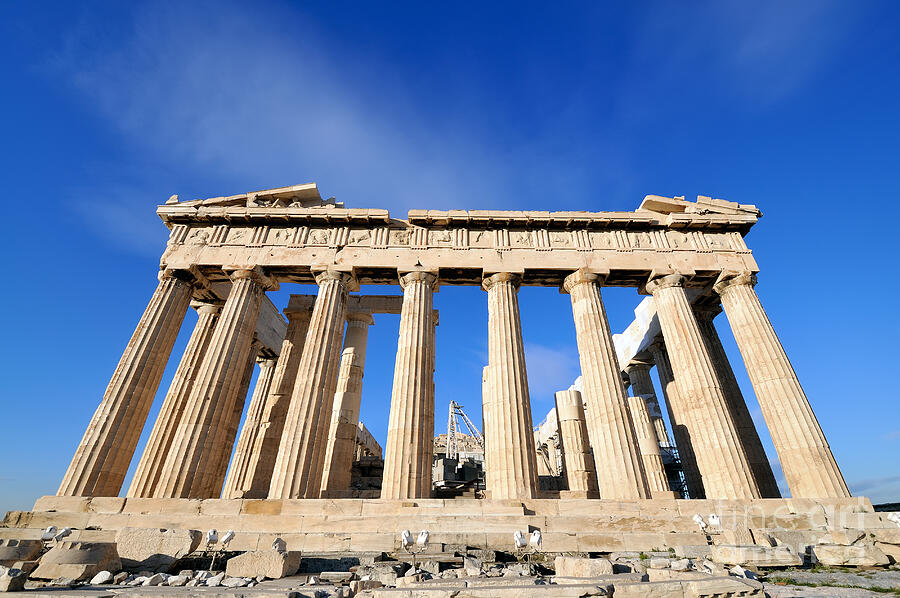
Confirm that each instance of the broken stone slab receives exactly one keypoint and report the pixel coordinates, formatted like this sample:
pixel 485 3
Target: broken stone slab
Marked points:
pixel 720 587
pixel 11 579
pixel 858 555
pixel 754 555
pixel 571 566
pixel 359 585
pixel 78 560
pixel 120 577
pixel 215 580
pixel 692 551
pixel 269 563
pixel 12 551
pixel 660 563
pixel 155 549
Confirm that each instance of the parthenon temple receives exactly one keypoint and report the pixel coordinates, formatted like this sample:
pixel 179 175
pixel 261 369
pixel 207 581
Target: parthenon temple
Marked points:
pixel 293 455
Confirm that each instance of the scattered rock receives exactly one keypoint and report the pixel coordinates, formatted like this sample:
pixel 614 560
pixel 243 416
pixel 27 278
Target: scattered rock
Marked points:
pixel 154 580
pixel 101 578
pixel 680 565
pixel 120 577
pixel 472 566
pixel 215 580
pixel 178 580
pixel 234 582
pixel 741 572
pixel 63 582
pixel 660 563
pixel 570 566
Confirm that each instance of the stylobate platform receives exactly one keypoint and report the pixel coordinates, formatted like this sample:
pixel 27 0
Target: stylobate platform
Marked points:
pixel 368 525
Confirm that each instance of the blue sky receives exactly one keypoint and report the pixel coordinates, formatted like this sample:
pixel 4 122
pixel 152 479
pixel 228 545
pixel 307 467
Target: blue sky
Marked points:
pixel 109 108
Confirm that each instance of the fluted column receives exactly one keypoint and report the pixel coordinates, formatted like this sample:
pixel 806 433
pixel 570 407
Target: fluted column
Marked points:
pixel 253 479
pixel 193 462
pixel 298 472
pixel 642 386
pixel 243 454
pixel 510 459
pixel 720 457
pixel 345 415
pixel 150 467
pixel 619 470
pixel 649 447
pixel 576 449
pixel 676 409
pixel 409 450
pixel 227 431
pixel 808 463
pixel 737 406
pixel 105 451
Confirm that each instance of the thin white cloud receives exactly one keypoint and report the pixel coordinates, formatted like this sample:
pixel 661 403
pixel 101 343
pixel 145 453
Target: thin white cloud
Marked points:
pixel 550 369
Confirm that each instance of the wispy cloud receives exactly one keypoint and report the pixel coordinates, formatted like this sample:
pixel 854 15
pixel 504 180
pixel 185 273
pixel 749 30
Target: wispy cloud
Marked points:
pixel 549 369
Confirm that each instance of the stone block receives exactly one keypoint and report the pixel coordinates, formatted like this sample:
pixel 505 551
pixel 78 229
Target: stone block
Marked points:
pixel 757 556
pixel 12 579
pixel 570 566
pixel 858 555
pixel 78 560
pixel 155 549
pixel 12 551
pixel 178 580
pixel 270 563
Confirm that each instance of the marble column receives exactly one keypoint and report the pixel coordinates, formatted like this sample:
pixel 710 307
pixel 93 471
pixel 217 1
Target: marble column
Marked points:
pixel 619 470
pixel 717 448
pixel 105 451
pixel 150 467
pixel 345 415
pixel 642 386
pixel 576 449
pixel 220 455
pixel 298 472
pixel 808 463
pixel 649 447
pixel 243 454
pixel 409 451
pixel 737 406
pixel 675 407
pixel 193 463
pixel 510 458
pixel 252 479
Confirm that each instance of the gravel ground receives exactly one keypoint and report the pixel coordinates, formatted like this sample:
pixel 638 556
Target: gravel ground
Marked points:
pixel 858 579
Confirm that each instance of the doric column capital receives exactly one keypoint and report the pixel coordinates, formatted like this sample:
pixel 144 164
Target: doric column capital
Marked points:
pixel 501 278
pixel 728 280
pixel 579 277
pixel 265 362
pixel 345 278
pixel 637 366
pixel 359 319
pixel 176 274
pixel 254 273
pixel 707 312
pixel 429 278
pixel 207 307
pixel 664 282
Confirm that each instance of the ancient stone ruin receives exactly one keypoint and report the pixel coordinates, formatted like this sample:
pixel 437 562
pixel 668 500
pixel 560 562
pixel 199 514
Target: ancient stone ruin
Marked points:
pixel 291 474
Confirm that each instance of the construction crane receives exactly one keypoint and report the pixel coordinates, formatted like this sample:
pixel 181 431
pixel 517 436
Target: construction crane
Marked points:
pixel 456 412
